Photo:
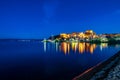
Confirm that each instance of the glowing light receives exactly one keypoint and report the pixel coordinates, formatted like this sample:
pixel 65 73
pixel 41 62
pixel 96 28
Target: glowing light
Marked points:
pixel 73 45
pixel 44 46
pixel 91 49
pixel 65 36
pixel 87 47
pixel 64 47
pixel 75 48
pixel 94 46
pixel 81 47
pixel 103 45
pixel 68 47
pixel 56 45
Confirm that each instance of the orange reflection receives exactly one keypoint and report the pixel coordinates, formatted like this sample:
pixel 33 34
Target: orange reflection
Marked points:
pixel 81 47
pixel 74 46
pixel 92 48
pixel 87 47
pixel 66 47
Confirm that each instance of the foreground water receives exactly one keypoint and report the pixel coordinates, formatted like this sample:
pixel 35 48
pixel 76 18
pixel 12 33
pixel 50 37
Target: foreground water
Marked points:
pixel 21 60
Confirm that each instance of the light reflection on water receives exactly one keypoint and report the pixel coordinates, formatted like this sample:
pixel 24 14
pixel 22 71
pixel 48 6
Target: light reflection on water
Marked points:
pixel 67 47
pixel 86 54
pixel 51 61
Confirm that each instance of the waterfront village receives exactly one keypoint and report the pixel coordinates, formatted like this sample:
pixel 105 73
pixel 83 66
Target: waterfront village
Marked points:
pixel 87 36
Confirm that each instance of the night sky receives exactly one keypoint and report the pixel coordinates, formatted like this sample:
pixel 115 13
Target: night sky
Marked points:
pixel 43 18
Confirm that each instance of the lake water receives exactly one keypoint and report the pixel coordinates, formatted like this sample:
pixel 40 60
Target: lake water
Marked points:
pixel 21 60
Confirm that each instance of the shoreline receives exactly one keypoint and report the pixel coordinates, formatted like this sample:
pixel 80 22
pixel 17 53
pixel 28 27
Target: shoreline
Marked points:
pixel 101 70
pixel 91 41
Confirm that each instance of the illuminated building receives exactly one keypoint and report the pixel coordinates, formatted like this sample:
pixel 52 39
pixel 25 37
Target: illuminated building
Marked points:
pixel 89 34
pixel 74 35
pixel 81 35
pixel 64 35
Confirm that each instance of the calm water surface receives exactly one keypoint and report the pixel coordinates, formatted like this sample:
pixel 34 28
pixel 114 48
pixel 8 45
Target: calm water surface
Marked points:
pixel 20 60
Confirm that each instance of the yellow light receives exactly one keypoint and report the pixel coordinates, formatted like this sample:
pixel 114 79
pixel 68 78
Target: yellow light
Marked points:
pixel 73 45
pixel 104 45
pixel 76 45
pixel 81 47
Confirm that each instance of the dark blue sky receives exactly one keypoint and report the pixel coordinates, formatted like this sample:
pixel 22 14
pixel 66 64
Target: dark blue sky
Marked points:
pixel 42 18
